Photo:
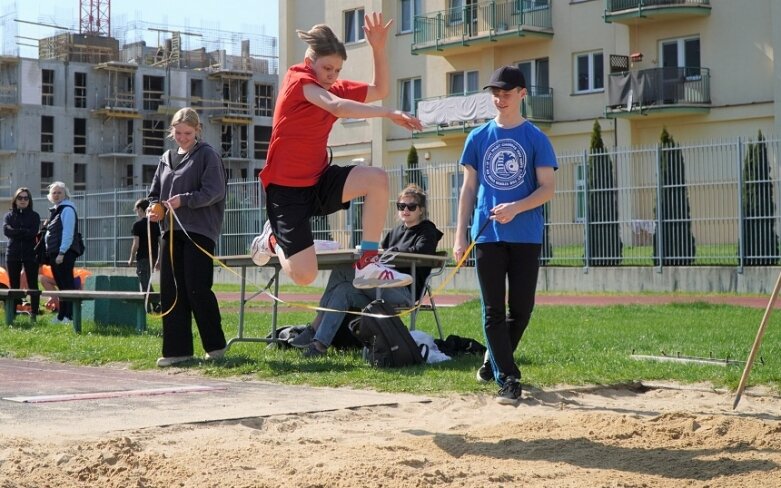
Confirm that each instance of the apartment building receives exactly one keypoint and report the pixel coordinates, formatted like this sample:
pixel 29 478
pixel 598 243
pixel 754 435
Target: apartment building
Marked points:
pixel 704 69
pixel 95 114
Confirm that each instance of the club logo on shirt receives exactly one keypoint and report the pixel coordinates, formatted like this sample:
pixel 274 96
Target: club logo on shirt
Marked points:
pixel 504 165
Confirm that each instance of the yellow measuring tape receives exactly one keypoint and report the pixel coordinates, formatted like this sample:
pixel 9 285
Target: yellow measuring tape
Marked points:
pixel 172 216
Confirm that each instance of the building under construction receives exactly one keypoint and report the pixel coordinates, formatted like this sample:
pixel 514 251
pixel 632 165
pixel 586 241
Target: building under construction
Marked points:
pixel 94 110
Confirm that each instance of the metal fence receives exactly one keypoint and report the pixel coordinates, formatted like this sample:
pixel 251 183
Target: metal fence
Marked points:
pixel 714 204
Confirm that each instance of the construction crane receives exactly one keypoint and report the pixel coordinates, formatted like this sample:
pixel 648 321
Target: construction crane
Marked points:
pixel 95 17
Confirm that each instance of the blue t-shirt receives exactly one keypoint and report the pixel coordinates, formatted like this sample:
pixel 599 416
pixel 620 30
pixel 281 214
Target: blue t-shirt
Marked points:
pixel 505 161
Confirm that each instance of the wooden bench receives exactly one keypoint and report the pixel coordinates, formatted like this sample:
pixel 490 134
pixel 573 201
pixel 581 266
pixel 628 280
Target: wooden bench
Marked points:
pixel 9 296
pixel 79 296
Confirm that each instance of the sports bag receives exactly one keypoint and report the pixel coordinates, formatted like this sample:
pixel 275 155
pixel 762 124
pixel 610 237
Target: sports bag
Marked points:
pixel 386 341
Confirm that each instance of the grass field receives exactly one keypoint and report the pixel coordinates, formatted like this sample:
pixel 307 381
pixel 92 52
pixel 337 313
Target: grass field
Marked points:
pixel 572 345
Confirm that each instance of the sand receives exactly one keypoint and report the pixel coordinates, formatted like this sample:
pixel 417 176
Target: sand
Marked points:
pixel 651 435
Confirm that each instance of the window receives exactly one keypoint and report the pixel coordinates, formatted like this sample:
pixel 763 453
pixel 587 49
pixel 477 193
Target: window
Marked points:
pixel 80 90
pixel 463 82
pixel 196 92
pixel 264 100
pixel 128 149
pixel 47 87
pixel 353 25
pixel 47 133
pixel 129 175
pixel 153 92
pixel 682 53
pixel 409 94
pixel 536 75
pixel 464 11
pixel 589 72
pixel 409 9
pixel 80 136
pixel 79 177
pixel 47 176
pixel 153 138
pixel 527 5
pixel 147 173
pixel 261 138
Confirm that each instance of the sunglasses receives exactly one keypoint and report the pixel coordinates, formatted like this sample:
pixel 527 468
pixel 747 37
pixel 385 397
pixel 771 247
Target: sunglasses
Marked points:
pixel 411 206
pixel 22 197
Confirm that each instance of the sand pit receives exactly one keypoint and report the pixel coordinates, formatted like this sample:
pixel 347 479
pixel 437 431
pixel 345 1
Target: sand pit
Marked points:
pixel 654 435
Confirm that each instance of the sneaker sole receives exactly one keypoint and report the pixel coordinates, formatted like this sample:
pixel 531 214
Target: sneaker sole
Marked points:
pixel 480 378
pixel 376 283
pixel 260 259
pixel 508 401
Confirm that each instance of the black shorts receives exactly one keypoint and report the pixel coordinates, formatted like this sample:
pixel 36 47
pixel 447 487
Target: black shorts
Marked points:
pixel 290 208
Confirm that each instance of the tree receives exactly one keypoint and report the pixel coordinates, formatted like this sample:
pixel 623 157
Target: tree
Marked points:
pixel 673 214
pixel 760 242
pixel 413 174
pixel 604 238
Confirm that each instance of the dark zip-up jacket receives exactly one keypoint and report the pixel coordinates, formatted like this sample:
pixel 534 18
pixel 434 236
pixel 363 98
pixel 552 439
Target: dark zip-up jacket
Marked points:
pixel 21 226
pixel 199 180
pixel 419 239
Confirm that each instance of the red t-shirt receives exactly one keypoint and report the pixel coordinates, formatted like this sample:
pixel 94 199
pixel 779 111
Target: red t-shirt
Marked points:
pixel 297 154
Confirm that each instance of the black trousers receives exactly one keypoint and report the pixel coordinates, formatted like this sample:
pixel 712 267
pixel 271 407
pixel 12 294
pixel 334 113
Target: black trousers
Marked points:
pixel 506 269
pixel 15 278
pixel 186 284
pixel 63 276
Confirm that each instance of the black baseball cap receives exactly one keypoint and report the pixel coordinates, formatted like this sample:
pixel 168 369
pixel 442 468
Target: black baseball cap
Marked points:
pixel 507 78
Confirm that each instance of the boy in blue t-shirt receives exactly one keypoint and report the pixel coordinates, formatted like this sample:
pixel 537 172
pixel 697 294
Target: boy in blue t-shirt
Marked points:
pixel 509 167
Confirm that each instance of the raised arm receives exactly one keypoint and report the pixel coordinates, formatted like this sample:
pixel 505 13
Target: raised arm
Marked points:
pixel 377 37
pixel 344 108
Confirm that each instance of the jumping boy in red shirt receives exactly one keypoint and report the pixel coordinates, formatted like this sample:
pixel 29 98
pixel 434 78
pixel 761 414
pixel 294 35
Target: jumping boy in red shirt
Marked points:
pixel 297 178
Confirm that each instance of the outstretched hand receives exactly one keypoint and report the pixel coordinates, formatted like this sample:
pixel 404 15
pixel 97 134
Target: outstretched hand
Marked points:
pixel 405 120
pixel 376 32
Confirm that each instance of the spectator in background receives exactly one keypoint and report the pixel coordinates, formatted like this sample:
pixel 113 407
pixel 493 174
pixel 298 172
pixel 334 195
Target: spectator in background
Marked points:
pixel 190 180
pixel 60 233
pixel 415 234
pixel 145 235
pixel 20 225
pixel 46 280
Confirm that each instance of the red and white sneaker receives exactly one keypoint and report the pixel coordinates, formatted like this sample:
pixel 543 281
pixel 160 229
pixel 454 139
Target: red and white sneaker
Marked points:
pixel 261 250
pixel 378 274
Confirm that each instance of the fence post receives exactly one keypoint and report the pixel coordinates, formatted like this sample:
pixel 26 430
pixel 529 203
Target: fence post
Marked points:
pixel 659 228
pixel 741 215
pixel 586 221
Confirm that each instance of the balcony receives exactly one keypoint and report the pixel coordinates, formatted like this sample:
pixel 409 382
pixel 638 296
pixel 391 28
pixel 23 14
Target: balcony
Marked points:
pixel 120 99
pixel 462 113
pixel 471 27
pixel 634 11
pixel 658 91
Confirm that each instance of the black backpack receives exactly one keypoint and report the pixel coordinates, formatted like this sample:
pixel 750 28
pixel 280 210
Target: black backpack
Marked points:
pixel 386 341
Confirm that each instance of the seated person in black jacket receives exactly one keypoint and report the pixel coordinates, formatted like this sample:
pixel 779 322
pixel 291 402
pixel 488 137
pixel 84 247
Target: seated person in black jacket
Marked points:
pixel 415 234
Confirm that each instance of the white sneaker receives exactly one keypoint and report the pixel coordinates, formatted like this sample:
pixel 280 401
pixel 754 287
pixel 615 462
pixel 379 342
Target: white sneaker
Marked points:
pixel 260 250
pixel 170 361
pixel 378 274
pixel 216 354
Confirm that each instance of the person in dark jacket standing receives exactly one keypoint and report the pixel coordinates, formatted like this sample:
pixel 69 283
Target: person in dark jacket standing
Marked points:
pixel 20 225
pixel 190 181
pixel 415 234
pixel 146 238
pixel 60 232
